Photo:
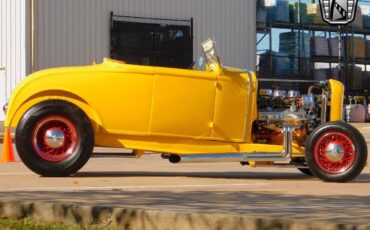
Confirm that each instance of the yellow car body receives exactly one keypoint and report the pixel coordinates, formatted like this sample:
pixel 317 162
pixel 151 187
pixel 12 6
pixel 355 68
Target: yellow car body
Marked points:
pixel 158 109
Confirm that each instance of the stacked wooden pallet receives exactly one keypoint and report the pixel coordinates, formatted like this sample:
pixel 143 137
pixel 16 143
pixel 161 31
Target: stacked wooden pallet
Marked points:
pixel 366 81
pixel 367 49
pixel 355 47
pixel 356 110
pixel 319 46
pixel 325 74
pixel 307 13
pixel 355 82
pixel 282 11
pixel 313 13
pixel 333 47
pixel 295 44
pixel 298 13
pixel 365 16
pixel 358 22
pixel 275 63
pixel 320 74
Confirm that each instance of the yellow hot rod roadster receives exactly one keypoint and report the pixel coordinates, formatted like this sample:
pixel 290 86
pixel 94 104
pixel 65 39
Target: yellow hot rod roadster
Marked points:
pixel 211 115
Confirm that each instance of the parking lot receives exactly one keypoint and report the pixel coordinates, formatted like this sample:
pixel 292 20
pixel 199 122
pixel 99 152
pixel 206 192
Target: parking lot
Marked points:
pixel 114 178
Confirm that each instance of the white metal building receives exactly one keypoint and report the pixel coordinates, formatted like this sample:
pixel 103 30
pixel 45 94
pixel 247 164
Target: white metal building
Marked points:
pixel 38 34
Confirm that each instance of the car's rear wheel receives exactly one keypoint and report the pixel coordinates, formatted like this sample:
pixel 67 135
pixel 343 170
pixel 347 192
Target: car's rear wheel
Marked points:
pixel 54 138
pixel 336 152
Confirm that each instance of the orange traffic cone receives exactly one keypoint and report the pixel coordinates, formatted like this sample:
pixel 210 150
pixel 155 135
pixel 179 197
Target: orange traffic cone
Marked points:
pixel 8 152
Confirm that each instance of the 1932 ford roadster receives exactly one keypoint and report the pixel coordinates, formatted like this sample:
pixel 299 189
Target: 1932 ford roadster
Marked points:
pixel 215 115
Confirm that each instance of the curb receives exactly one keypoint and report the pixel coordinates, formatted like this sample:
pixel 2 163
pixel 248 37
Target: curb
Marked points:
pixel 150 219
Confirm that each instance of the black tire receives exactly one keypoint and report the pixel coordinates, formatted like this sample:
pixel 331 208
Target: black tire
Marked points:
pixel 347 163
pixel 305 171
pixel 76 145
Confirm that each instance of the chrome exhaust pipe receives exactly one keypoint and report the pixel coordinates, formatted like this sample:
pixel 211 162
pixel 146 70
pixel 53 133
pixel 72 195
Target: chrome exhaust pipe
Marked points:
pixel 283 156
pixel 207 158
pixel 288 141
pixel 324 107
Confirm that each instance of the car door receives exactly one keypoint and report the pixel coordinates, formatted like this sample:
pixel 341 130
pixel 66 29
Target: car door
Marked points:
pixel 233 106
pixel 127 98
pixel 183 103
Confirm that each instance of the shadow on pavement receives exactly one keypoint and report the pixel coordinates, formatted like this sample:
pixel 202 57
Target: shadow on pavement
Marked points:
pixel 363 178
pixel 218 175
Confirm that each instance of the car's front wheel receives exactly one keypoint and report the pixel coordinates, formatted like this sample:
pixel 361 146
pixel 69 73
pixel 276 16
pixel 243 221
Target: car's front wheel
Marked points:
pixel 54 138
pixel 336 152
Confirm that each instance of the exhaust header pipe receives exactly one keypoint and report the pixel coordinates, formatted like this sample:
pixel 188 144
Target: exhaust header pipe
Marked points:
pixel 283 156
pixel 287 141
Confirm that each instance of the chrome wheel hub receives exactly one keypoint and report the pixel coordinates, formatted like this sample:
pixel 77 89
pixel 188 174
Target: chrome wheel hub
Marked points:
pixel 334 152
pixel 54 138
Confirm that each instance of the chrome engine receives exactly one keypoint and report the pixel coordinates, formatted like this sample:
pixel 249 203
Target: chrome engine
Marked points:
pixel 279 108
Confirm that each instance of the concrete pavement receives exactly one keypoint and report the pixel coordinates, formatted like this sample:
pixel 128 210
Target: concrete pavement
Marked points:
pixel 364 128
pixel 114 179
pixel 151 183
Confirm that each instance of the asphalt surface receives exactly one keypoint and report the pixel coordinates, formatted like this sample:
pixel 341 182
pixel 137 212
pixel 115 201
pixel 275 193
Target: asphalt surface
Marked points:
pixel 114 178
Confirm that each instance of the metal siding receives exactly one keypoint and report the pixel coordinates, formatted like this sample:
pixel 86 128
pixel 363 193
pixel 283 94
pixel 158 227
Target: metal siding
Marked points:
pixel 12 42
pixel 76 32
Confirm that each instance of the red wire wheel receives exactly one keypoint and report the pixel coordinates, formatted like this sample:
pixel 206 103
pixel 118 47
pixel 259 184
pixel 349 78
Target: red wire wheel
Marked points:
pixel 334 153
pixel 55 138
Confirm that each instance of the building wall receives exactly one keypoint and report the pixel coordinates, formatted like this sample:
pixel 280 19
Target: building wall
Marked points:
pixel 76 32
pixel 13 45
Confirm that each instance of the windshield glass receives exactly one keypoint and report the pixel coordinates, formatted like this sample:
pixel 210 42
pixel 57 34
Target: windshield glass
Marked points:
pixel 210 52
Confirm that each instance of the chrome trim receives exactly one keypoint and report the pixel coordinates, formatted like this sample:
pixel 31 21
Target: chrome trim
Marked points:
pixel 283 156
pixel 291 81
pixel 324 107
pixel 266 92
pixel 281 116
pixel 334 152
pixel 287 141
pixel 293 93
pixel 279 93
pixel 308 101
pixel 54 138
pixel 228 157
pixel 206 158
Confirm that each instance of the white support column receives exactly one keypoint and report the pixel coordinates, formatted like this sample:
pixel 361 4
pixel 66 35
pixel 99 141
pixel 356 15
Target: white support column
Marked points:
pixel 13 24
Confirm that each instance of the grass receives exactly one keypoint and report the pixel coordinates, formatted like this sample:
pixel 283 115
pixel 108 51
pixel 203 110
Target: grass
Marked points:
pixel 29 224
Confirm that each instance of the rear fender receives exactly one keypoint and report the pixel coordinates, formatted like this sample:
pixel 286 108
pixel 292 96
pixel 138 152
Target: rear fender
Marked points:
pixel 17 108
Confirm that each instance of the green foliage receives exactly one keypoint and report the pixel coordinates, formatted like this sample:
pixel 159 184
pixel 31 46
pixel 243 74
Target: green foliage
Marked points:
pixel 29 224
